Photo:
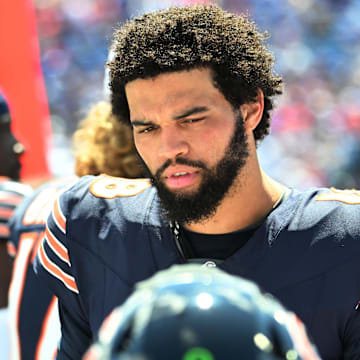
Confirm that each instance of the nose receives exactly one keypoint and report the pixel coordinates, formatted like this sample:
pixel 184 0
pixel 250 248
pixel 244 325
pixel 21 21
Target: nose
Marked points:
pixel 18 148
pixel 173 144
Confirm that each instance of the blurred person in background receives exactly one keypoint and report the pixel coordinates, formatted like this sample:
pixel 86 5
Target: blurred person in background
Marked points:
pixel 12 193
pixel 197 85
pixel 193 312
pixel 11 148
pixel 11 190
pixel 101 145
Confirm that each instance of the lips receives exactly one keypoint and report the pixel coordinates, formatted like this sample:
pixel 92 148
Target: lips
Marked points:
pixel 177 178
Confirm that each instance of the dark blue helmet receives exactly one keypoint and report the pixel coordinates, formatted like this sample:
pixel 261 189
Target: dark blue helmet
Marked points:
pixel 194 313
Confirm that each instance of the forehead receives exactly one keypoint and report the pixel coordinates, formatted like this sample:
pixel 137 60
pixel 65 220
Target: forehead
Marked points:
pixel 175 89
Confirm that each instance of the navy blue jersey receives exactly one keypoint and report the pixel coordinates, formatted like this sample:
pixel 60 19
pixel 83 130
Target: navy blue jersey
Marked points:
pixel 106 234
pixel 33 312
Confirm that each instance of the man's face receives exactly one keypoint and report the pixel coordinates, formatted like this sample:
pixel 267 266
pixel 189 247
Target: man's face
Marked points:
pixel 190 139
pixel 10 150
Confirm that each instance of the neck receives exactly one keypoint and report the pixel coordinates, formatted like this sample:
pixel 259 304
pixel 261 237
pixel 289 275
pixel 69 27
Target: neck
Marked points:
pixel 250 199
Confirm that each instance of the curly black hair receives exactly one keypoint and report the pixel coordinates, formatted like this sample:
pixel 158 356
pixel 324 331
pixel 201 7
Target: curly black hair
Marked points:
pixel 184 38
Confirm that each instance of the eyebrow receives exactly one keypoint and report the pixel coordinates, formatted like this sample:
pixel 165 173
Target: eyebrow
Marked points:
pixel 186 113
pixel 191 111
pixel 141 123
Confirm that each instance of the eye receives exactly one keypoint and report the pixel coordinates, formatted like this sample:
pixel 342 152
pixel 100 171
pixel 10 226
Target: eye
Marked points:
pixel 191 121
pixel 147 129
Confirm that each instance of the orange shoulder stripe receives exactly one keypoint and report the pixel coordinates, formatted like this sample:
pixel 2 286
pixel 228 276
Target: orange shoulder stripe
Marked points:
pixel 59 216
pixel 54 270
pixel 11 199
pixel 59 249
pixel 6 213
pixel 4 230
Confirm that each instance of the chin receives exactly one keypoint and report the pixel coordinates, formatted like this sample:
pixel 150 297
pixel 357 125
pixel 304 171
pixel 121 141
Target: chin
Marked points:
pixel 186 191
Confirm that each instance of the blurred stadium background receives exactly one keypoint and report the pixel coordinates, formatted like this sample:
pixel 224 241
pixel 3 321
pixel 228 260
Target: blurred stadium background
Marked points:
pixel 316 126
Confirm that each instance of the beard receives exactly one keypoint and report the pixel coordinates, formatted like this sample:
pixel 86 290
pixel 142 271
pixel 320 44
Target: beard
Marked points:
pixel 202 203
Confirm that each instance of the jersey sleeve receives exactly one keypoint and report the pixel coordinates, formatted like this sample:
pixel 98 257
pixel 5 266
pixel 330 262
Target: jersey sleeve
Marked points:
pixel 53 265
pixel 88 257
pixel 30 302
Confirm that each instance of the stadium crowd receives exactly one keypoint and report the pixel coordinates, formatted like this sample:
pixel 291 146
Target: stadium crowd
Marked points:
pixel 316 123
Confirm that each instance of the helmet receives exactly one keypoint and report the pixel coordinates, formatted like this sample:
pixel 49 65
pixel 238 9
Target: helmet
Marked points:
pixel 190 312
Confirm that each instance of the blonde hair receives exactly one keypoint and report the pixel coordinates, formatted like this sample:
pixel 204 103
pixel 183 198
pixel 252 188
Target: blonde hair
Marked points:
pixel 103 145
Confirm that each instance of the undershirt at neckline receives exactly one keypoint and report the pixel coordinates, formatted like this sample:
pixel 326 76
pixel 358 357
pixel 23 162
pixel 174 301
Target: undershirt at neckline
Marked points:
pixel 216 246
pixel 220 246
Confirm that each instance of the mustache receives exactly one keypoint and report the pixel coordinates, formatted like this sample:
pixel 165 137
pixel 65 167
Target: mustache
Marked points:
pixel 180 161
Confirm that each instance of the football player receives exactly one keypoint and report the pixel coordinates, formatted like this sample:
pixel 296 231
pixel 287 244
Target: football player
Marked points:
pixel 33 312
pixel 11 191
pixel 197 86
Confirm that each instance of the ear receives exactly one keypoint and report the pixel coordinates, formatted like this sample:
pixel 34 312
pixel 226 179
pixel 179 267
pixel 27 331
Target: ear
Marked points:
pixel 252 112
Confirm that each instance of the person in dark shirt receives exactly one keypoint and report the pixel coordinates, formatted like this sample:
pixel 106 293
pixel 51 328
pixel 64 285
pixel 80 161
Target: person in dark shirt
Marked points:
pixel 197 86
pixel 11 191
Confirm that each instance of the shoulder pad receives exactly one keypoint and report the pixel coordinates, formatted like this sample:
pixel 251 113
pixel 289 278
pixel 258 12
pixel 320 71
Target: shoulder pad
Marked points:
pixel 109 187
